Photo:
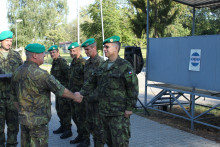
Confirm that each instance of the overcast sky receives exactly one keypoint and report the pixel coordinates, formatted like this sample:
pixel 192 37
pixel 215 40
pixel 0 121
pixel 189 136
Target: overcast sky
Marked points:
pixel 72 11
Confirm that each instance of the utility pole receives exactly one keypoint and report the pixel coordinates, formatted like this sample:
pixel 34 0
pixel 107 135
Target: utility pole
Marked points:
pixel 78 22
pixel 103 37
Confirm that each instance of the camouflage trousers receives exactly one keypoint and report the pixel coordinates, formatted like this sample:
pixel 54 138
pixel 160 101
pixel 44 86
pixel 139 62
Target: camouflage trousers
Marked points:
pixel 8 114
pixel 79 118
pixel 94 124
pixel 116 130
pixel 36 136
pixel 63 109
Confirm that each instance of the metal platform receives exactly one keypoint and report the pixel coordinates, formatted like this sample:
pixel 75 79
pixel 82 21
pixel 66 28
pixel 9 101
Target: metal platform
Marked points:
pixel 188 90
pixel 170 95
pixel 169 63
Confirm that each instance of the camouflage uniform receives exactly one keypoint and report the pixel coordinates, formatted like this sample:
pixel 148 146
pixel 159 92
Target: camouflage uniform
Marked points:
pixel 117 92
pixel 8 111
pixel 60 71
pixel 32 86
pixel 76 80
pixel 93 118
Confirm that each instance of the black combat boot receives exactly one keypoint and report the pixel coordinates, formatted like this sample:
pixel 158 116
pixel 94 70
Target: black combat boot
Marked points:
pixel 59 130
pixel 66 134
pixel 84 143
pixel 78 139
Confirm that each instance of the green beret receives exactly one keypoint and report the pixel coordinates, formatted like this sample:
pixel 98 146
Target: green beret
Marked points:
pixel 88 42
pixel 73 45
pixel 35 48
pixel 53 47
pixel 111 39
pixel 5 35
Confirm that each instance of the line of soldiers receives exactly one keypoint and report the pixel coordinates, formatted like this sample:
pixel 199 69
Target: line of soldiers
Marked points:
pixel 101 95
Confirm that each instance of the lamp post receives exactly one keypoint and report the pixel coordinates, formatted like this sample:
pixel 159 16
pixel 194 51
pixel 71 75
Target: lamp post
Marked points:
pixel 78 21
pixel 103 37
pixel 17 21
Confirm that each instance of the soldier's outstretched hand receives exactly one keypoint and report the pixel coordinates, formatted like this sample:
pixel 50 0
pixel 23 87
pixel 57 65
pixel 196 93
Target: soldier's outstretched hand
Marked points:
pixel 78 97
pixel 128 113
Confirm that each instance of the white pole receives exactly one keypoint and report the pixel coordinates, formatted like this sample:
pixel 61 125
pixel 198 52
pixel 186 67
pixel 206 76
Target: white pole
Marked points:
pixel 17 21
pixel 103 37
pixel 16 35
pixel 78 21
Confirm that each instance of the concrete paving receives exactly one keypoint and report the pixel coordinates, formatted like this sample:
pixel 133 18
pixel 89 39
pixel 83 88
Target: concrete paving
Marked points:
pixel 144 132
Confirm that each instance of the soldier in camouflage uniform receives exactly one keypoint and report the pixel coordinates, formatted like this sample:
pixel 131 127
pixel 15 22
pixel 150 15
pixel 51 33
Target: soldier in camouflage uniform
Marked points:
pixel 117 92
pixel 76 80
pixel 93 118
pixel 60 71
pixel 9 61
pixel 33 86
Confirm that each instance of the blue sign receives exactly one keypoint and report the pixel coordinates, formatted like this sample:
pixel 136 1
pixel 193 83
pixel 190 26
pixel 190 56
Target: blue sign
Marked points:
pixel 195 57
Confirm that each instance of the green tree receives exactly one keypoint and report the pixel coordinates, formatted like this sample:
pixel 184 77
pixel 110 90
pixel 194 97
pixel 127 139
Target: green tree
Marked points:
pixel 55 36
pixel 182 24
pixel 114 19
pixel 162 14
pixel 38 17
pixel 207 21
pixel 71 31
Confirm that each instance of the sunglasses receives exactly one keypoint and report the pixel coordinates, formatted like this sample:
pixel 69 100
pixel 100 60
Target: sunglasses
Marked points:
pixel 106 46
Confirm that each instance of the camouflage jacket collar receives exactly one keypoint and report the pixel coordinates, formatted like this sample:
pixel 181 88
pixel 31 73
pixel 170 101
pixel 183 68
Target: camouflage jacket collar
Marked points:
pixel 31 63
pixel 56 60
pixel 78 60
pixel 10 53
pixel 92 60
pixel 115 65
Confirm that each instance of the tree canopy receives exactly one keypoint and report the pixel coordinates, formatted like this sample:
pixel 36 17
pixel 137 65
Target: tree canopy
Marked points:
pixel 162 14
pixel 115 22
pixel 45 21
pixel 170 19
pixel 38 17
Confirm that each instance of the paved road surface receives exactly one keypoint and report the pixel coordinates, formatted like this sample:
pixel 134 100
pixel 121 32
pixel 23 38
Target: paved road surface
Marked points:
pixel 144 132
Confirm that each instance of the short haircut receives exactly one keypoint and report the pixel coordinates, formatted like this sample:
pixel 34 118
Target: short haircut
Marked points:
pixel 93 45
pixel 117 44
pixel 28 54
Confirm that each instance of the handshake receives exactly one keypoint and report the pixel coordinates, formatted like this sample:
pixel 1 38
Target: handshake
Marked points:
pixel 78 97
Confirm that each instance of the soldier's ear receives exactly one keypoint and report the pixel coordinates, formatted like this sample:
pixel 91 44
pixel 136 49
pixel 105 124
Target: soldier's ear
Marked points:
pixel 34 55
